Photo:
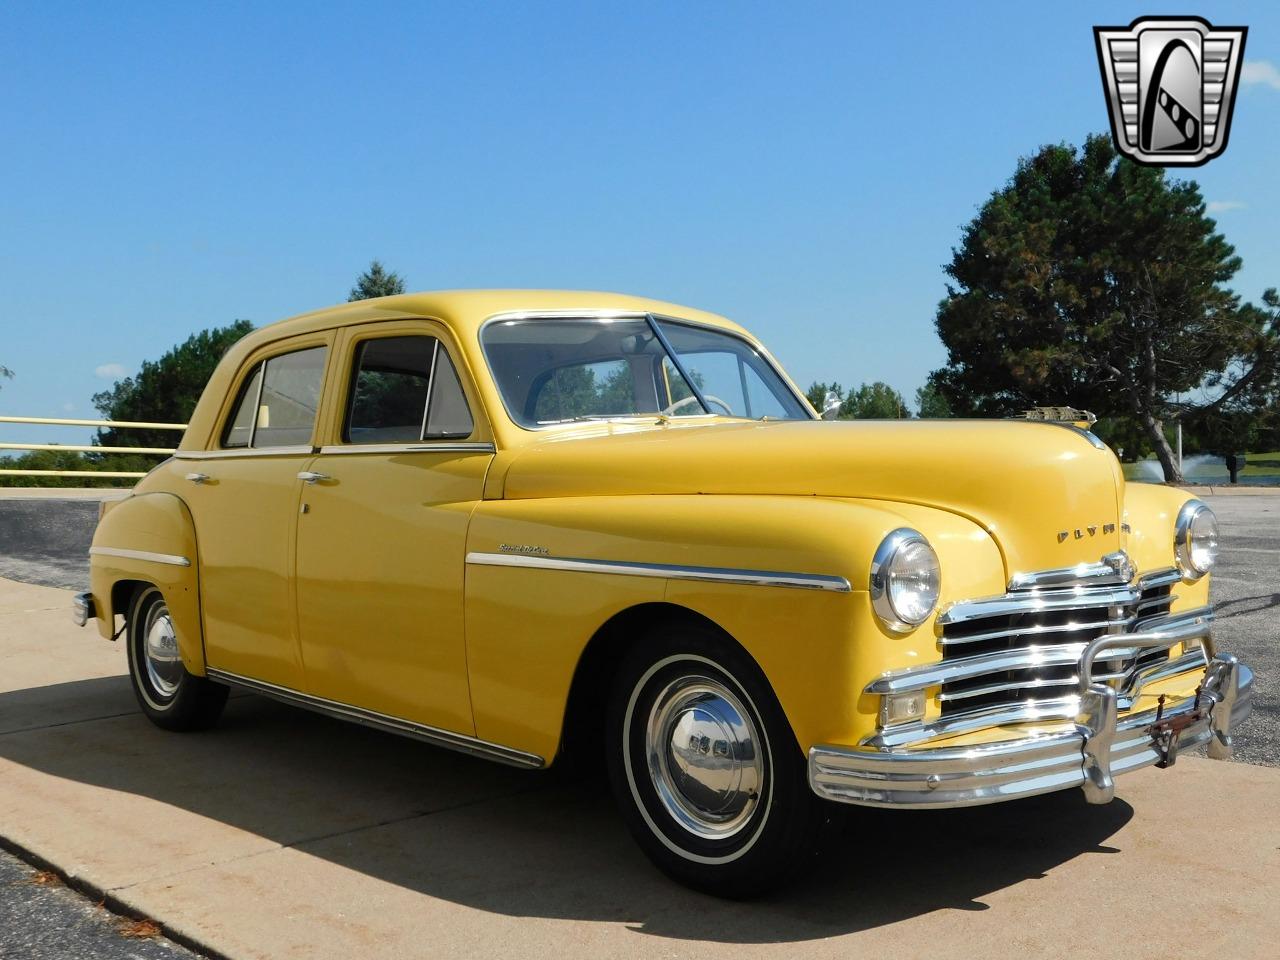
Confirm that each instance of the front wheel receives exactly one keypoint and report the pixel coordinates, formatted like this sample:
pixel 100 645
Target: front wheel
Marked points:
pixel 171 697
pixel 705 768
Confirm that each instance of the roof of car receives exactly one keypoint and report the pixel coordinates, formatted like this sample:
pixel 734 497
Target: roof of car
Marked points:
pixel 466 310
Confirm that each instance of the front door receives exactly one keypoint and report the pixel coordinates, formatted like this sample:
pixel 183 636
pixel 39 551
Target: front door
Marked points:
pixel 382 531
pixel 244 500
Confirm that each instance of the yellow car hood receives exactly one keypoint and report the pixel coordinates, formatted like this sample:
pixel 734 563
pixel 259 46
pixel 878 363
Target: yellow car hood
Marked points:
pixel 1026 483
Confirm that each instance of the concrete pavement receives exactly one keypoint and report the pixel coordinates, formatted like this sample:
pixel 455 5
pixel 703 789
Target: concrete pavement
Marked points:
pixel 285 834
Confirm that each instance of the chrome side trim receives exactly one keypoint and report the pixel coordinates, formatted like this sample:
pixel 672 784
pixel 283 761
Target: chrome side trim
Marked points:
pixel 169 558
pixel 666 571
pixel 408 728
pixel 1022 767
pixel 415 447
pixel 236 452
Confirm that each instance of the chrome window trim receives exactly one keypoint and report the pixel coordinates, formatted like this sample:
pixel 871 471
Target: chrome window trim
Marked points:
pixel 382 721
pixel 467 446
pixel 607 314
pixel 234 452
pixel 666 571
pixel 168 558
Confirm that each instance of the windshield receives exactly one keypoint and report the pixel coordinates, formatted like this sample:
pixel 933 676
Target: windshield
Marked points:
pixel 555 370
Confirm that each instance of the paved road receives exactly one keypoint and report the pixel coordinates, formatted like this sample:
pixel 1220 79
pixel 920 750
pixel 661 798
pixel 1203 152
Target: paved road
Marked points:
pixel 1246 593
pixel 42 919
pixel 47 541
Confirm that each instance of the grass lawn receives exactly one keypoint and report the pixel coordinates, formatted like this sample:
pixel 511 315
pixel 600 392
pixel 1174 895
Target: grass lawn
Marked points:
pixel 1260 465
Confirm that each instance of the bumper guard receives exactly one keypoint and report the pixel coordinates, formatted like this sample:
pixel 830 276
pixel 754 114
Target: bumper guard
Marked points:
pixel 1089 754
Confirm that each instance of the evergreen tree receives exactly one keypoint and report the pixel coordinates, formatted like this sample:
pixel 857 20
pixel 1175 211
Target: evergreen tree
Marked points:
pixel 376 282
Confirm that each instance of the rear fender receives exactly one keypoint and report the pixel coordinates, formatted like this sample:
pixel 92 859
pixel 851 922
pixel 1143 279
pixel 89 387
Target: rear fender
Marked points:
pixel 149 538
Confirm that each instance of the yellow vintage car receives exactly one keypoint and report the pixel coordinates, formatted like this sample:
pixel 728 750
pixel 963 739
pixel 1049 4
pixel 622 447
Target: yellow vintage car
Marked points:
pixel 532 525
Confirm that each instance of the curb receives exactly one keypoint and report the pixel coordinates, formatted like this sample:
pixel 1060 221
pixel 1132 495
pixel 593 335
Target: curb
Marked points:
pixel 109 901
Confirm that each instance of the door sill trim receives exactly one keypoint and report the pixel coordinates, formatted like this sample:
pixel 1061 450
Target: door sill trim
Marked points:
pixel 381 721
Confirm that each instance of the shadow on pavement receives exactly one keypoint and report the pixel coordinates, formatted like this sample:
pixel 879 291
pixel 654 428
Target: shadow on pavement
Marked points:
pixel 518 843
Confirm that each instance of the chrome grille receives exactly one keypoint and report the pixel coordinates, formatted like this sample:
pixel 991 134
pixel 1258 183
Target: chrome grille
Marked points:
pixel 1015 657
pixel 1045 630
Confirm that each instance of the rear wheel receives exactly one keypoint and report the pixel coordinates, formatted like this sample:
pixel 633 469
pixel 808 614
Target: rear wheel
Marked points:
pixel 171 697
pixel 704 765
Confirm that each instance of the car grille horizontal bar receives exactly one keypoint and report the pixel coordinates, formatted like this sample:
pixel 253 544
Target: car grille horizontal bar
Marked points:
pixel 1016 657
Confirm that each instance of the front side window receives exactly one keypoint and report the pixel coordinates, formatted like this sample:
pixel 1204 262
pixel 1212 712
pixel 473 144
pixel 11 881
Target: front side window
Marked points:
pixel 556 370
pixel 404 390
pixel 278 402
pixel 731 375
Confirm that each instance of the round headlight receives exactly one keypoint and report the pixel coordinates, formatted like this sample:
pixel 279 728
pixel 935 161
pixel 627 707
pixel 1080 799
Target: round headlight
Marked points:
pixel 905 580
pixel 1195 539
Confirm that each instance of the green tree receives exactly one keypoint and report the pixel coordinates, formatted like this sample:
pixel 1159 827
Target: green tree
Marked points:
pixel 931 404
pixel 63 460
pixel 1091 281
pixel 874 401
pixel 376 282
pixel 164 391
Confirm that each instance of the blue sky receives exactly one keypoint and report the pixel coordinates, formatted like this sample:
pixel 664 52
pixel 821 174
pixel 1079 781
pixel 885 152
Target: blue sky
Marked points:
pixel 803 168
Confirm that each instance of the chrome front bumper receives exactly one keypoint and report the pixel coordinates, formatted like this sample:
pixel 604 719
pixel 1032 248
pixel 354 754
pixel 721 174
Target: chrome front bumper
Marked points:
pixel 1087 755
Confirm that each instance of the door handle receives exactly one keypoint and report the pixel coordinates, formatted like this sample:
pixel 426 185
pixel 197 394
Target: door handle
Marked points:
pixel 198 477
pixel 310 476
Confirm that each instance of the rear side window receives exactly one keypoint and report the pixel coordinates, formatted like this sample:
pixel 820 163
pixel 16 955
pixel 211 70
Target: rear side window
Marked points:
pixel 404 390
pixel 278 403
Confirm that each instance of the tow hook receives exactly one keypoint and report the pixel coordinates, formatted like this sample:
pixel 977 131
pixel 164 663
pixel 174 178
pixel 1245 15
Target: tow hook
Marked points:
pixel 1166 733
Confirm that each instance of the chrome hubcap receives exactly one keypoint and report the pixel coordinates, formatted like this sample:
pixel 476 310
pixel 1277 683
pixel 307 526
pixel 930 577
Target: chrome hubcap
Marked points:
pixel 160 652
pixel 704 757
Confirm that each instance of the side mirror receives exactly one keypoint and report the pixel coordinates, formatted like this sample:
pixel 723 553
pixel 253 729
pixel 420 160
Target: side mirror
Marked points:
pixel 830 405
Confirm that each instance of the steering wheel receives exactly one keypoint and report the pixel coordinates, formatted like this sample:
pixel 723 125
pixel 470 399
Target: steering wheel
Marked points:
pixel 711 398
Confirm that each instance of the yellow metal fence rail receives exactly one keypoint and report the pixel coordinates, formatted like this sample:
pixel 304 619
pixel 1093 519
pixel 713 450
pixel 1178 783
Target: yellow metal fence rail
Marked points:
pixel 82 448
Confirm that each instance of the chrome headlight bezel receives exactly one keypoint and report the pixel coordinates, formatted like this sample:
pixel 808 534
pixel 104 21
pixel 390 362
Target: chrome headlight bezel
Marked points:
pixel 1192 514
pixel 893 550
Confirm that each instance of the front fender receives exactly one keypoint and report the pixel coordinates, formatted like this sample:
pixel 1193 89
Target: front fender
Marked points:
pixel 150 538
pixel 1151 511
pixel 527 626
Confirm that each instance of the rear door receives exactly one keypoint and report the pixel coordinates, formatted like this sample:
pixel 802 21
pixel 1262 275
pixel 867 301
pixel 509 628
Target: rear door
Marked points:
pixel 243 497
pixel 382 528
